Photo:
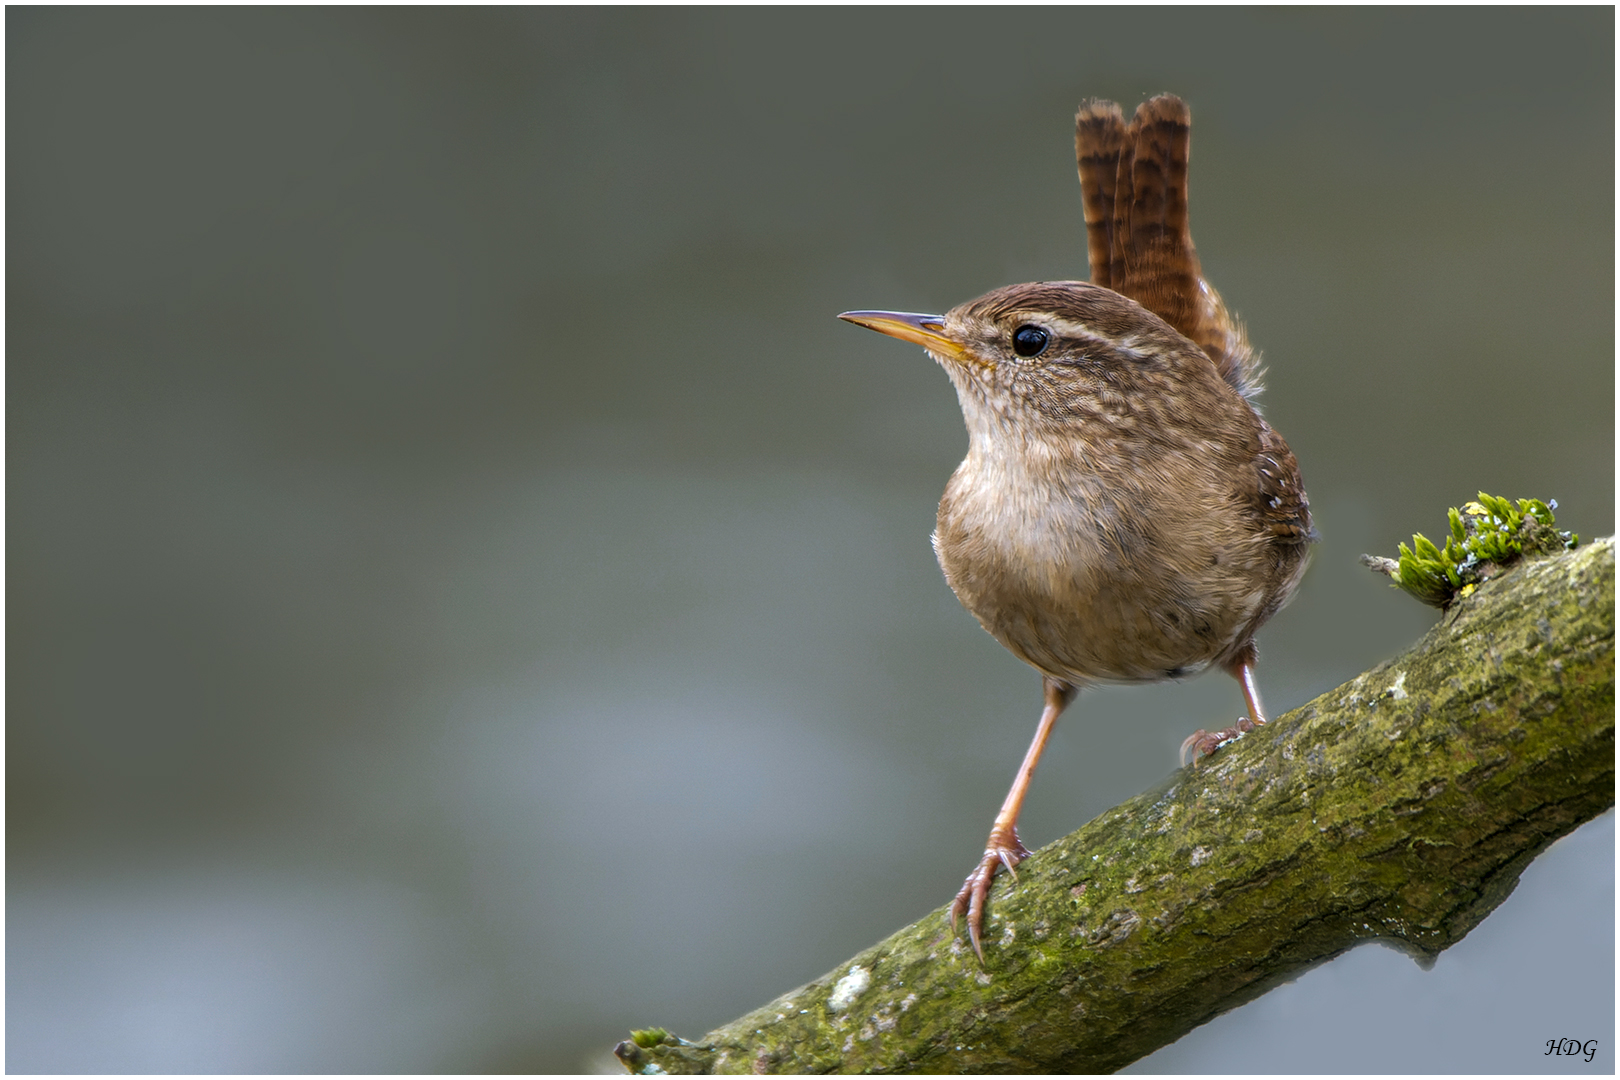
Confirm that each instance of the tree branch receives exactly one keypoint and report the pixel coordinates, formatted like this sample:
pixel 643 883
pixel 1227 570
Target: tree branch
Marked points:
pixel 1403 806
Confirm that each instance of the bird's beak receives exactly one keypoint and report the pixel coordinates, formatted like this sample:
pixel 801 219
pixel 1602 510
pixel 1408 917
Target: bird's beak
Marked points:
pixel 926 330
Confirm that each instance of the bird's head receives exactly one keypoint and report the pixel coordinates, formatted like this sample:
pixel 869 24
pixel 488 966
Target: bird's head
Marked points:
pixel 1054 357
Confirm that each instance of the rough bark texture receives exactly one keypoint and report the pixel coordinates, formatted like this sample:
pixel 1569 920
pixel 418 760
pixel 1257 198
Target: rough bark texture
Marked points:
pixel 1402 806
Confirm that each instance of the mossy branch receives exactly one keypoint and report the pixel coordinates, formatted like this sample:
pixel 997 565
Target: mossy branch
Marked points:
pixel 1402 806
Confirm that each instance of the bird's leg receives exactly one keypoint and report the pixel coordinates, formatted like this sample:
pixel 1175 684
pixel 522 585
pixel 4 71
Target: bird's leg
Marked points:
pixel 1243 672
pixel 1003 847
pixel 1203 743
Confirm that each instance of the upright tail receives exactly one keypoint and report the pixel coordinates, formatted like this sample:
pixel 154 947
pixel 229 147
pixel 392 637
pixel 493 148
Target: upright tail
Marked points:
pixel 1133 182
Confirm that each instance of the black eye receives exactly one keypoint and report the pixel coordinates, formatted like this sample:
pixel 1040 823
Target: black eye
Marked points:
pixel 1030 340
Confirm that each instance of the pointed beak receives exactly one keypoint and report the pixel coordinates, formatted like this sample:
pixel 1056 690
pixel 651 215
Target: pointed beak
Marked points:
pixel 925 330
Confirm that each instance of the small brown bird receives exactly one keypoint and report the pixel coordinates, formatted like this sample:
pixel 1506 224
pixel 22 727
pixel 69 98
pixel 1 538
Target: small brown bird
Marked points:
pixel 1123 513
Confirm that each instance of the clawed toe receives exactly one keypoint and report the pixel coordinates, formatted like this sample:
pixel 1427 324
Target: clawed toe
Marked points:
pixel 1204 743
pixel 971 899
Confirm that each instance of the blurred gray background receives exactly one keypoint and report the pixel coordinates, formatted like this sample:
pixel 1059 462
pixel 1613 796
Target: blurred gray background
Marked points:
pixel 468 596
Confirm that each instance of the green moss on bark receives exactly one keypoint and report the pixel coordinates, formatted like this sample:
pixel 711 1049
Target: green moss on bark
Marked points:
pixel 1487 536
pixel 1402 806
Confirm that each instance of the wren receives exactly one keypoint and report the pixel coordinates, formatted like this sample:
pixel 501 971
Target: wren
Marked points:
pixel 1124 514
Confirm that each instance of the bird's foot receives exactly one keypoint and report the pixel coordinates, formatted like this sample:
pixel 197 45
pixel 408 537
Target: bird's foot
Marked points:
pixel 1204 743
pixel 1003 849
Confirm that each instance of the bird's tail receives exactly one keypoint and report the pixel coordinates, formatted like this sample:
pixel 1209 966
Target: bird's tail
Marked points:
pixel 1133 181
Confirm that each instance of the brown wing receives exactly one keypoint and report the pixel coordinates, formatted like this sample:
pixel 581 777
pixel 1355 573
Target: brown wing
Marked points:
pixel 1281 503
pixel 1137 230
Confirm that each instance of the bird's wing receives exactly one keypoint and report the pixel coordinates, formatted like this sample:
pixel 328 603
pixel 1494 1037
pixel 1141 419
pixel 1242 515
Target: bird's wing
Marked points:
pixel 1280 496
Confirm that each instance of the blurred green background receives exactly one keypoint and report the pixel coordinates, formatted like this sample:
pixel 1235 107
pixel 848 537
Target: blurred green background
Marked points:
pixel 468 596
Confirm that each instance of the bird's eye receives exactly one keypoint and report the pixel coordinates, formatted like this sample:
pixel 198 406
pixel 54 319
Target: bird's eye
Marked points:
pixel 1030 340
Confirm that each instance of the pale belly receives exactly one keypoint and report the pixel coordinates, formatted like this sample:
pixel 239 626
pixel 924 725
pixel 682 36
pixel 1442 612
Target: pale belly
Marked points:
pixel 1101 598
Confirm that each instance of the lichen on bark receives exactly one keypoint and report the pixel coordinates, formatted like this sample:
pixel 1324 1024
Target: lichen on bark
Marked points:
pixel 1401 806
